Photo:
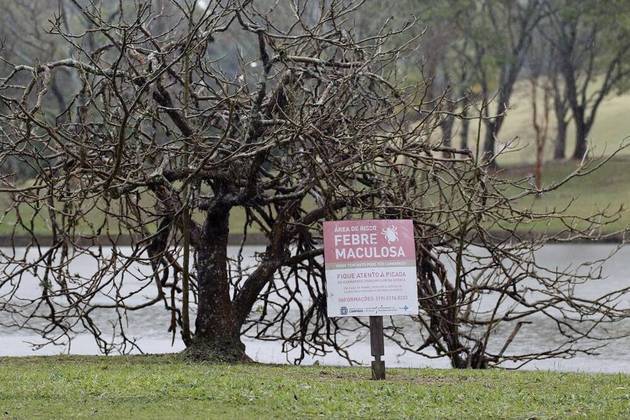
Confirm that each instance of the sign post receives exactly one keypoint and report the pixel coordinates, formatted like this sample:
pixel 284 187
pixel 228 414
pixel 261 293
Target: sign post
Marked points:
pixel 371 271
pixel 377 344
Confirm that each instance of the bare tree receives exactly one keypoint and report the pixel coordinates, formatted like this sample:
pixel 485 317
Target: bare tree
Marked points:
pixel 447 78
pixel 445 72
pixel 543 62
pixel 160 148
pixel 561 112
pixel 593 49
pixel 499 35
pixel 23 38
pixel 540 67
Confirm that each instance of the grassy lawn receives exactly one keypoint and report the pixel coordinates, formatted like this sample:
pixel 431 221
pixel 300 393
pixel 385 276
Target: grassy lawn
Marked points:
pixel 606 189
pixel 611 127
pixel 166 387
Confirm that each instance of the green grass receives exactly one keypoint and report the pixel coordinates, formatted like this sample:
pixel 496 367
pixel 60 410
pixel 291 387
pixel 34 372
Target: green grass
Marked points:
pixel 607 189
pixel 610 128
pixel 166 387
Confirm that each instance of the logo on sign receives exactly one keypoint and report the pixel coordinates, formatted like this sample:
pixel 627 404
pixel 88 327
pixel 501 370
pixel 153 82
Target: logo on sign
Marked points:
pixel 390 233
pixel 344 310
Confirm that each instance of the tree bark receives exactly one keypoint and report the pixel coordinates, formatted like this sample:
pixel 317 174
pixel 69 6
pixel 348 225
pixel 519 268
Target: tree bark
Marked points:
pixel 217 335
pixel 561 108
pixel 465 129
pixel 488 147
pixel 561 140
pixel 447 131
pixel 493 126
pixel 581 131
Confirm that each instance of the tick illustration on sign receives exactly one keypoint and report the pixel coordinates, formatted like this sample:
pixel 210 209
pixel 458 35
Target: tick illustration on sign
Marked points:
pixel 390 233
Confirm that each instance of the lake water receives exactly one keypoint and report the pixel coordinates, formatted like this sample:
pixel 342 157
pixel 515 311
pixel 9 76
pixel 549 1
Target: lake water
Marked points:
pixel 149 327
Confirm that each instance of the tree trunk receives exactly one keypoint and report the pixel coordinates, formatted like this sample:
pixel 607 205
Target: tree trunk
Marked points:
pixel 561 140
pixel 217 335
pixel 465 129
pixel 581 131
pixel 446 125
pixel 489 144
pixel 447 134
pixel 560 106
pixel 538 166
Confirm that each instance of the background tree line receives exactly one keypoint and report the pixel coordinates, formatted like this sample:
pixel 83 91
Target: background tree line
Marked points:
pixel 470 57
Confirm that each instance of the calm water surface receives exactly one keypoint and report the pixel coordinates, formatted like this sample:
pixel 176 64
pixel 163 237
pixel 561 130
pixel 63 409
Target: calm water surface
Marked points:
pixel 149 327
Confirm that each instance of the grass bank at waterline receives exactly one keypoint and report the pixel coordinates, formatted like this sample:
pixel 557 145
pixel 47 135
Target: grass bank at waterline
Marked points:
pixel 167 387
pixel 607 189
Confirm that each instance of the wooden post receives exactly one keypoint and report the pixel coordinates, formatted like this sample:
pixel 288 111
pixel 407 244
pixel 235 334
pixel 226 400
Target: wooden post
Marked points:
pixel 377 343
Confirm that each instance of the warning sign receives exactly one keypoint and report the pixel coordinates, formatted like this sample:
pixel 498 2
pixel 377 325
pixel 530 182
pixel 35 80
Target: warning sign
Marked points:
pixel 370 268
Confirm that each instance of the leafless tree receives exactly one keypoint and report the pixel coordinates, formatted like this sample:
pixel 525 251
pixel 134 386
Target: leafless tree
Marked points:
pixel 541 75
pixel 23 38
pixel 159 148
pixel 593 50
pixel 561 112
pixel 499 35
pixel 445 73
pixel 543 62
pixel 435 43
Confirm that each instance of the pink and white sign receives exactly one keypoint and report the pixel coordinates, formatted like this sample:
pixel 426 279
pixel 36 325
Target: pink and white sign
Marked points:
pixel 370 268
